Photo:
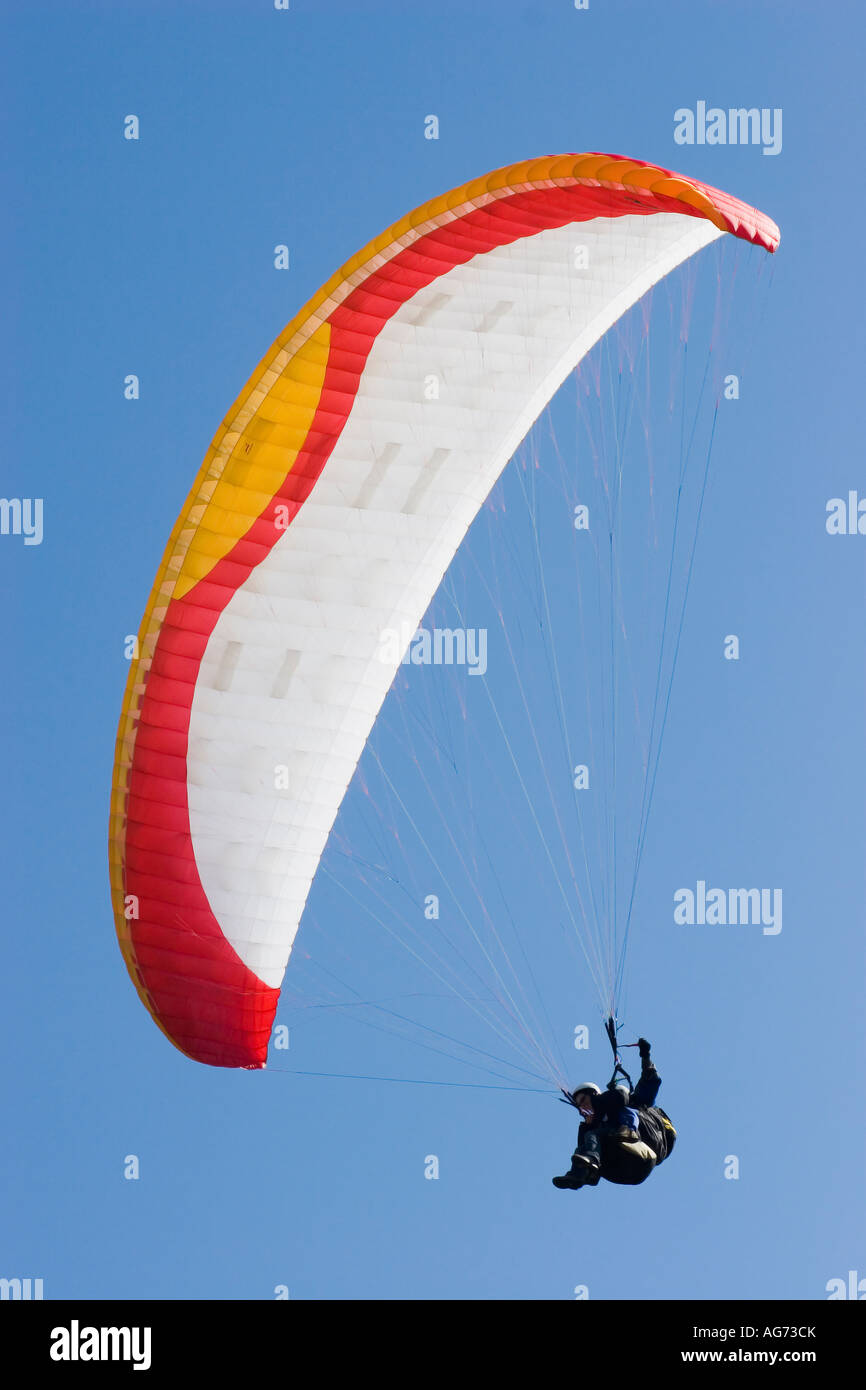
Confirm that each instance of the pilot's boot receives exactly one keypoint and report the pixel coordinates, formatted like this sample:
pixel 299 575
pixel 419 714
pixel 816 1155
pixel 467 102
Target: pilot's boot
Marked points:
pixel 585 1169
pixel 574 1177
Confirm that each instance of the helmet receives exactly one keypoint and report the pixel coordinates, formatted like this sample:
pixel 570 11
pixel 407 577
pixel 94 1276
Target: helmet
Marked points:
pixel 587 1086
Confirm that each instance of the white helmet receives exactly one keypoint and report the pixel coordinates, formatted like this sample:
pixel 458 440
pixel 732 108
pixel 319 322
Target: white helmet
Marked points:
pixel 587 1086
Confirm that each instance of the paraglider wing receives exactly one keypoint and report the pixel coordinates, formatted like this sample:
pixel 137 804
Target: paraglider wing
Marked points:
pixel 328 507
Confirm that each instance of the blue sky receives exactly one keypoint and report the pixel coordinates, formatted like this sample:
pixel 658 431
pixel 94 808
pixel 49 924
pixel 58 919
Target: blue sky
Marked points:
pixel 155 257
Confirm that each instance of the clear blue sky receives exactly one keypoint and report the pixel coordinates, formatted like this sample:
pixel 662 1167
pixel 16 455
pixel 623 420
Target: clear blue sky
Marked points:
pixel 155 258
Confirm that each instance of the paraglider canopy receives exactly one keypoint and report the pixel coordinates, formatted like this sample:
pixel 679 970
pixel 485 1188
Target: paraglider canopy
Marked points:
pixel 328 507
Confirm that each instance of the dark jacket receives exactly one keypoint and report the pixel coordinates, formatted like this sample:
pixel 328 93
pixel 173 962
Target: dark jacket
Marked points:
pixel 654 1126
